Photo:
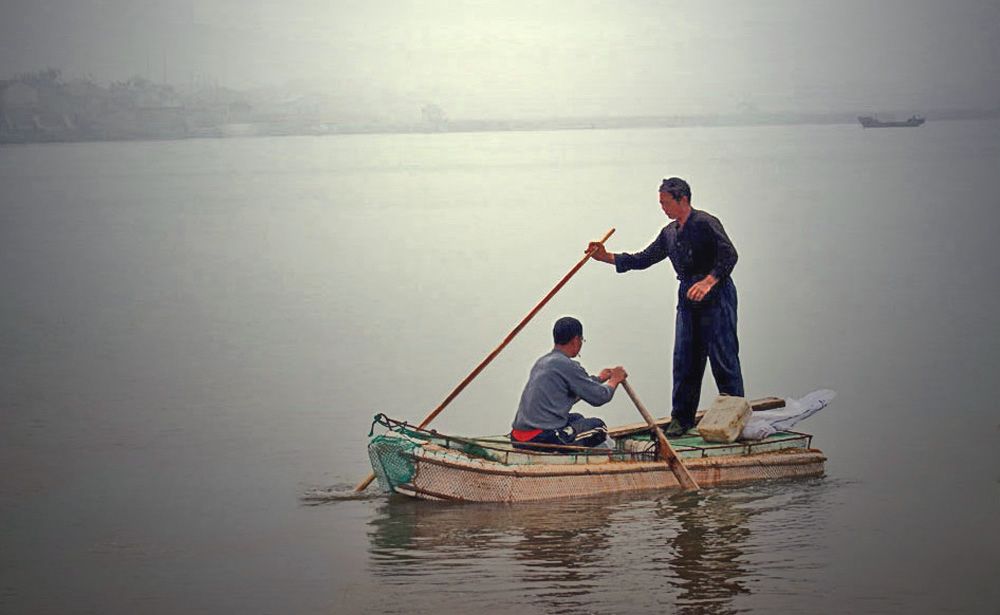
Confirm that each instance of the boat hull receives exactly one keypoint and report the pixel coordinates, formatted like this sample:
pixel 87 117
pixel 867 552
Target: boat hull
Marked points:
pixel 437 473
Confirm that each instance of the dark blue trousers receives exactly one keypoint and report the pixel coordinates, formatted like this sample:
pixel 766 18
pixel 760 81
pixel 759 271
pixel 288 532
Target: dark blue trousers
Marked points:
pixel 580 431
pixel 705 330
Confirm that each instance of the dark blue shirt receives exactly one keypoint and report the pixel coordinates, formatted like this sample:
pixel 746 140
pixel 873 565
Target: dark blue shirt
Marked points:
pixel 700 248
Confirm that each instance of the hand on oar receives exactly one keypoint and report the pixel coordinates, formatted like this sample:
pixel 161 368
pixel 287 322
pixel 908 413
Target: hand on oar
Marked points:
pixel 598 252
pixel 613 375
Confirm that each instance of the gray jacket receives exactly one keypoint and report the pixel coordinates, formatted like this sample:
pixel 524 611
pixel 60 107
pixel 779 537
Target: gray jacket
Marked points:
pixel 555 384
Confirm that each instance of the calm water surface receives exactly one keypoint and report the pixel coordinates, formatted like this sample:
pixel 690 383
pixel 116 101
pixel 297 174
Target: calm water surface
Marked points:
pixel 196 335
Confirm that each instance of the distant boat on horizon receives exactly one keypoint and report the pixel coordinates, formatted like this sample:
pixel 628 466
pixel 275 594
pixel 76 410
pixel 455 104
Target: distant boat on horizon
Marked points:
pixel 871 121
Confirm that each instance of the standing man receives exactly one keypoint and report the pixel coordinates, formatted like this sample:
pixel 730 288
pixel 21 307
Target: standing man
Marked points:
pixel 703 257
pixel 556 383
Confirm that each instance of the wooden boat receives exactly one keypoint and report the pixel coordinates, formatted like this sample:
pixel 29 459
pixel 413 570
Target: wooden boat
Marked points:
pixel 428 465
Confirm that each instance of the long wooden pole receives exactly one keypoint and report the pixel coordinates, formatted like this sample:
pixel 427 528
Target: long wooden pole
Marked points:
pixel 510 336
pixel 666 451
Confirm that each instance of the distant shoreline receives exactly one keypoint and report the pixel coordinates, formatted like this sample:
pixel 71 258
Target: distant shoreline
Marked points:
pixel 254 130
pixel 41 107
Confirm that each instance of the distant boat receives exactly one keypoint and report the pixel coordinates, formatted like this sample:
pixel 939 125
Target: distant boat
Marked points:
pixel 870 121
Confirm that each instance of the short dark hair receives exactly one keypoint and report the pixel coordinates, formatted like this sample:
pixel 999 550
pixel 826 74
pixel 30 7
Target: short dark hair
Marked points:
pixel 677 188
pixel 565 329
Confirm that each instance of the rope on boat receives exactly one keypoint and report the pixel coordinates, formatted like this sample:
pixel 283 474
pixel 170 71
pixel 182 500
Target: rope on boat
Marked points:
pixel 376 421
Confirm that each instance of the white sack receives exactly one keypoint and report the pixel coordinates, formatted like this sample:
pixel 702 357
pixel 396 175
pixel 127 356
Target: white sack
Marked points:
pixel 766 422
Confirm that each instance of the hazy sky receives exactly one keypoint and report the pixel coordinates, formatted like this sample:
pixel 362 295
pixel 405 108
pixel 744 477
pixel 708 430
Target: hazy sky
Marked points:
pixel 515 58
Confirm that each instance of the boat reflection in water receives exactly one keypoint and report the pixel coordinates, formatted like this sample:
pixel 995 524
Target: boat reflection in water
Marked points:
pixel 693 553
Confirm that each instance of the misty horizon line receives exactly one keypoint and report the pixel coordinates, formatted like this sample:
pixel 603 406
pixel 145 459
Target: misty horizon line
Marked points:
pixel 305 87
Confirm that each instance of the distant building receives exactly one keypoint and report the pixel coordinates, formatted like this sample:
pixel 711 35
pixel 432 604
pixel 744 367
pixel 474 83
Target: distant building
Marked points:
pixel 17 94
pixel 19 108
pixel 434 117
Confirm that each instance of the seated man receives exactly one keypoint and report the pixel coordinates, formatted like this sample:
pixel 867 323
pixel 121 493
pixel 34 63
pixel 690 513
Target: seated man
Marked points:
pixel 555 384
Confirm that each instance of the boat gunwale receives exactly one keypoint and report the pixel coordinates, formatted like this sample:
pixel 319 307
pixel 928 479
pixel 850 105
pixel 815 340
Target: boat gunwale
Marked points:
pixel 561 451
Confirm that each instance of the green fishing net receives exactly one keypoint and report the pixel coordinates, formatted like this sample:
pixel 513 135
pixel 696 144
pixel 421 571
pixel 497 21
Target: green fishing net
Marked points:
pixel 391 460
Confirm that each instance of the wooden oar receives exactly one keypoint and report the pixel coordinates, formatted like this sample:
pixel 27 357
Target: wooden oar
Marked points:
pixel 666 451
pixel 447 400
